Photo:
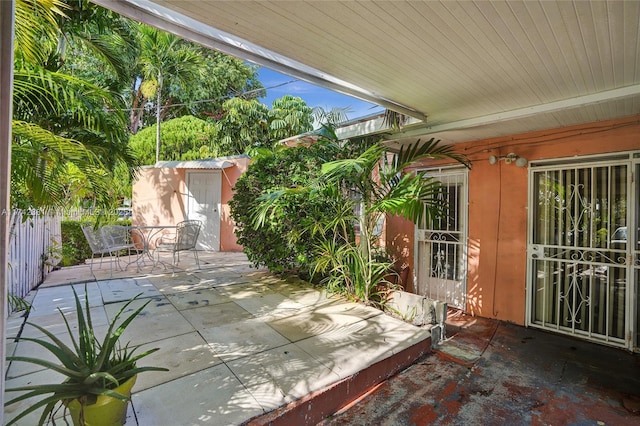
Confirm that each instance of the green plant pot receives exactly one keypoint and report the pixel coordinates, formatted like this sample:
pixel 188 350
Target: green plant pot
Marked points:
pixel 106 411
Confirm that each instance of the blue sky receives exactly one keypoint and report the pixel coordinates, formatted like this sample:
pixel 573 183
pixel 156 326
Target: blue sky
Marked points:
pixel 313 95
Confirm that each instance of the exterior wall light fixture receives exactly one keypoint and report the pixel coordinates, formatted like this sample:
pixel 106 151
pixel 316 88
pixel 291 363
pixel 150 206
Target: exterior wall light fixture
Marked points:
pixel 508 159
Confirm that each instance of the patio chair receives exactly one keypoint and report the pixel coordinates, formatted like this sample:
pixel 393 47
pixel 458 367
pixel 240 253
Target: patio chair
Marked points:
pixel 96 242
pixel 185 239
pixel 118 240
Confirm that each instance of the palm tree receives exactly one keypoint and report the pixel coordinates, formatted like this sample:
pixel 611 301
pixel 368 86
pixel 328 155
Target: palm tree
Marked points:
pixel 165 59
pixel 243 125
pixel 97 45
pixel 378 181
pixel 58 118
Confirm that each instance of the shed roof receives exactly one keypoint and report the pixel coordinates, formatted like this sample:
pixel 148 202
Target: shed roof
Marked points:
pixel 210 163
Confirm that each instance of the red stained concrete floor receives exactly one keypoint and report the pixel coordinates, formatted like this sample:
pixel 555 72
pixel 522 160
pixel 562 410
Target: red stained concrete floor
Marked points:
pixel 494 373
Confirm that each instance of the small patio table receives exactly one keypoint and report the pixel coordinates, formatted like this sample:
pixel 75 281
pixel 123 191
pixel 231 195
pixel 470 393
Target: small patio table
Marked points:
pixel 147 235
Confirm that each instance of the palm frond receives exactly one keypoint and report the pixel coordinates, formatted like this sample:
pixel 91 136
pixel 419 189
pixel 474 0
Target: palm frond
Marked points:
pixel 60 119
pixel 330 120
pixel 36 28
pixel 430 149
pixel 414 197
pixel 353 169
pixel 394 120
pixel 39 158
pixel 65 101
pixel 115 48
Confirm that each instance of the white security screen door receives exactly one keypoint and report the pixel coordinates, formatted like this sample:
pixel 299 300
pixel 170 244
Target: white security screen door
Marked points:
pixel 441 245
pixel 202 202
pixel 583 250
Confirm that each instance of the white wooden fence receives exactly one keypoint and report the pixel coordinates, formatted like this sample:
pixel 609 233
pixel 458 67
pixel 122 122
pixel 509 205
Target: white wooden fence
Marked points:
pixel 35 246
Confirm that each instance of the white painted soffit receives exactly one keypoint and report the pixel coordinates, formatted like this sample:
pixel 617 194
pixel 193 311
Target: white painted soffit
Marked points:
pixel 445 131
pixel 168 20
pixel 561 105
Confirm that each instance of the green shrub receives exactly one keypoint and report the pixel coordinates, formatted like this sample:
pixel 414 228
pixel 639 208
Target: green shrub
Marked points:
pixel 183 138
pixel 283 244
pixel 348 270
pixel 75 248
pixel 374 182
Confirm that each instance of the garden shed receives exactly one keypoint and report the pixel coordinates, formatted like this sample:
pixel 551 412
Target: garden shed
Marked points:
pixel 172 191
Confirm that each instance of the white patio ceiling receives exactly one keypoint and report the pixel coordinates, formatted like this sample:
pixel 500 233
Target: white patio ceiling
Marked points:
pixel 473 69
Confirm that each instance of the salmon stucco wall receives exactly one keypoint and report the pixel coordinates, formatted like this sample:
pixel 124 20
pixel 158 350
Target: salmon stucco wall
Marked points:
pixel 230 176
pixel 497 224
pixel 497 209
pixel 157 197
pixel 399 242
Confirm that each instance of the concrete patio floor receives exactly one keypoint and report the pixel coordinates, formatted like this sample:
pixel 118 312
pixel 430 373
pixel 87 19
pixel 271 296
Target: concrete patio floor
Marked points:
pixel 241 345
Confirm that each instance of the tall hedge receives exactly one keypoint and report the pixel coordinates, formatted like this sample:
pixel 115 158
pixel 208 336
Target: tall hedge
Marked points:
pixel 75 248
pixel 183 138
pixel 284 244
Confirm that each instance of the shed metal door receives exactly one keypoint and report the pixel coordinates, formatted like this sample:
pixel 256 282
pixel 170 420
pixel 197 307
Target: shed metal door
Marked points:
pixel 203 203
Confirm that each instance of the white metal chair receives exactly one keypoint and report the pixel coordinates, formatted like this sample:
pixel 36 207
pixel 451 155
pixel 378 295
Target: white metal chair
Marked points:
pixel 185 239
pixel 96 242
pixel 117 238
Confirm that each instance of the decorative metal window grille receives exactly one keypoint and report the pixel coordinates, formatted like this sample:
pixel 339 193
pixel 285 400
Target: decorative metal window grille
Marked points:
pixel 441 244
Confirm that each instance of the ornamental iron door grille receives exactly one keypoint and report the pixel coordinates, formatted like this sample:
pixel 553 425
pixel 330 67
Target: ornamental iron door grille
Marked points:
pixel 583 272
pixel 441 263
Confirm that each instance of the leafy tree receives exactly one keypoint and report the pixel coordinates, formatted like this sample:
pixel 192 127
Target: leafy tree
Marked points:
pixel 225 77
pixel 222 77
pixel 185 79
pixel 289 116
pixel 247 124
pixel 184 138
pixel 96 45
pixel 115 52
pixel 244 124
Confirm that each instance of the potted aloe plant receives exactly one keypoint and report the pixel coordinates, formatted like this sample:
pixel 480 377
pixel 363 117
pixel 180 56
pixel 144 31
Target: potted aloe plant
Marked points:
pixel 99 373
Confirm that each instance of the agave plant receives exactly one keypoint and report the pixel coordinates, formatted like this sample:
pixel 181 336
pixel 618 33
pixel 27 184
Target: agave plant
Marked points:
pixel 92 367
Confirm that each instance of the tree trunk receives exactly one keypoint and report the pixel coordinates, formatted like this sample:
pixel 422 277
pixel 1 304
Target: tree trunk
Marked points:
pixel 135 116
pixel 158 109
